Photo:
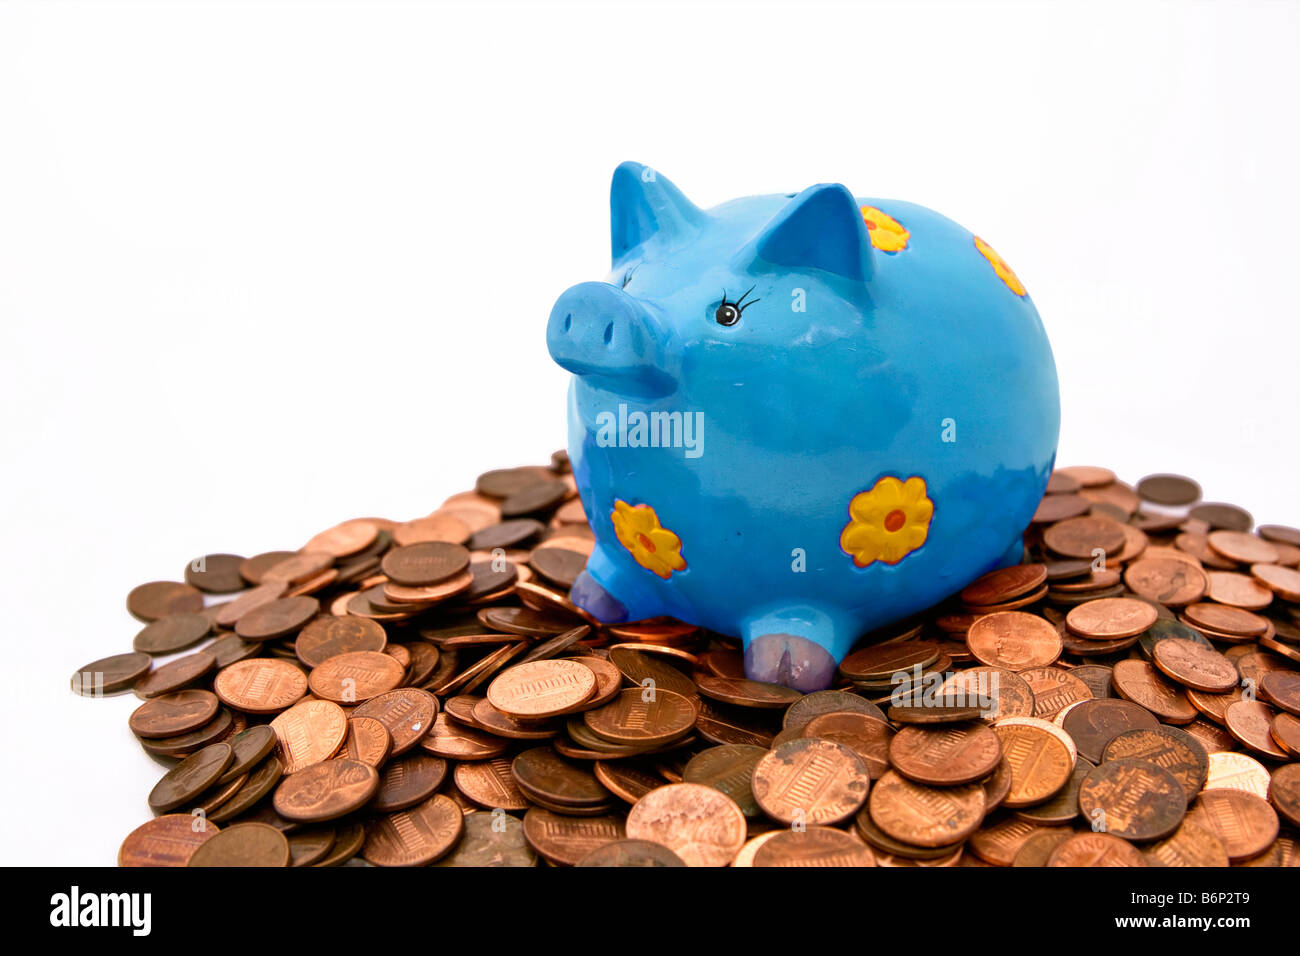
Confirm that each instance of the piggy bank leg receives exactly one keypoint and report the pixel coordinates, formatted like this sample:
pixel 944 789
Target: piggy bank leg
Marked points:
pixel 588 594
pixel 800 648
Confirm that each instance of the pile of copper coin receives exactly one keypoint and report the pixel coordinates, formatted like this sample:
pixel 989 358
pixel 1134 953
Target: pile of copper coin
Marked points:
pixel 424 692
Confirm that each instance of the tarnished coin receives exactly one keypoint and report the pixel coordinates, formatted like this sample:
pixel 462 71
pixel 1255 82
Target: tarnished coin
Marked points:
pixel 1141 683
pixel 1096 849
pixel 172 633
pixel 997 691
pixel 946 756
pixel 810 780
pixel 329 636
pixel 815 846
pixel 406 713
pixel 1169 489
pixel 730 769
pixel 631 853
pixel 355 677
pixel 1224 620
pixel 491 839
pixel 1170 749
pixel 703 826
pixel 110 675
pixel 189 778
pixel 1111 618
pixel 168 840
pixel 244 844
pixel 326 791
pixel 260 685
pixel 642 716
pixel 1132 799
pixel 1245 824
pixel 1080 537
pixel 541 688
pixel 1039 762
pixel 257 784
pixel 1092 724
pixel 826 702
pixel 637 667
pixel 1195 665
pixel 173 714
pixel 424 563
pixel 746 693
pixel 867 736
pixel 414 837
pixel 309 732
pixel 925 816
pixel 158 599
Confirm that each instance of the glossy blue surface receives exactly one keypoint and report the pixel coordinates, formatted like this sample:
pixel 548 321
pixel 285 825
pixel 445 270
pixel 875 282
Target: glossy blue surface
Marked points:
pixel 846 364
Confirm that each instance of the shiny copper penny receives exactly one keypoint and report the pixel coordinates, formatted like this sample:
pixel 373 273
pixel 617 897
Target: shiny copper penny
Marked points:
pixel 1039 762
pixel 1168 581
pixel 1195 665
pixel 1245 824
pixel 998 691
pixel 414 837
pixel 1095 849
pixel 490 784
pixel 815 846
pixel 244 844
pixel 1111 618
pixel 627 780
pixel 566 840
pixel 541 688
pixel 355 677
pixel 1286 732
pixel 168 840
pixel 326 791
pixel 1080 537
pixel 1190 845
pixel 642 716
pixel 925 816
pixel 425 563
pixel 261 685
pixel 1141 683
pixel 173 714
pixel 1229 620
pixel 327 637
pixel 881 661
pixel 1005 584
pixel 1242 547
pixel 406 713
pixel 1170 749
pixel 638 667
pixel 1281 688
pixel 746 693
pixel 1013 640
pixel 457 741
pixel 867 736
pixel 701 825
pixel 189 778
pixel 946 756
pixel 344 539
pixel 309 733
pixel 1284 582
pixel 1133 799
pixel 810 780
pixel 367 740
pixel 1238 590
pixel 1251 723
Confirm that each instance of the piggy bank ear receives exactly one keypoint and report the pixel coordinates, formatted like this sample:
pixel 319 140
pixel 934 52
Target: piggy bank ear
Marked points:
pixel 821 228
pixel 642 204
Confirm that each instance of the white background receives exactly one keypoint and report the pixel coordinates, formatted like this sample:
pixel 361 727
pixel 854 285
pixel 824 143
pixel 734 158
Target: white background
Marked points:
pixel 267 266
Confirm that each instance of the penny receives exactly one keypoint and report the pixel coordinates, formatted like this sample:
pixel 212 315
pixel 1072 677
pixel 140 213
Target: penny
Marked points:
pixel 491 839
pixel 539 498
pixel 628 853
pixel 1038 848
pixel 278 618
pixel 110 675
pixel 867 736
pixel 642 716
pixel 327 637
pixel 566 840
pixel 703 826
pixel 730 769
pixel 1169 489
pixel 175 675
pixel 1133 799
pixel 215 573
pixel 946 756
pixel 1141 683
pixel 348 839
pixel 168 840
pixel 343 539
pixel 308 733
pixel 1063 806
pixel 1286 732
pixel 1095 849
pixel 218 728
pixel 542 772
pixel 244 844
pixel 441 527
pixel 1054 689
pixel 1238 590
pixel 456 741
pixel 250 748
pixel 1282 690
pixel 325 791
pixel 1251 723
pixel 172 633
pixel 1242 547
pixel 1111 618
pixel 1190 845
pixel 414 837
pixel 560 566
pixel 1092 724
pixel 490 784
pixel 1005 584
pixel 821 702
pixel 1245 824
pixel 172 714
pixel 1168 748
pixel 230 648
pixel 158 599
pixel 999 692
pixel 1081 537
pixel 746 693
pixel 260 685
pixel 425 563
pixel 1013 640
pixel 881 661
pixel 506 534
pixel 355 677
pixel 1195 665
pixel 406 713
pixel 925 816
pixel 1040 764
pixel 1054 508
pixel 367 740
pixel 189 778
pixel 466 583
pixel 637 667
pixel 1087 476
pixel 999 842
pixel 626 780
pixel 815 846
pixel 810 780
pixel 1284 582
pixel 1236 771
pixel 541 688
pixel 1219 515
pixel 1168 581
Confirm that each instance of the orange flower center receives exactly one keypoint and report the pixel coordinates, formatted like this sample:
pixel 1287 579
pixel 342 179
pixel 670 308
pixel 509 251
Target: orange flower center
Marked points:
pixel 870 224
pixel 646 543
pixel 895 520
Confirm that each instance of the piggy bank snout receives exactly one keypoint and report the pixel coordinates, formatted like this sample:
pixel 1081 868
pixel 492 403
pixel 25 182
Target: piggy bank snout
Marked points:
pixel 603 334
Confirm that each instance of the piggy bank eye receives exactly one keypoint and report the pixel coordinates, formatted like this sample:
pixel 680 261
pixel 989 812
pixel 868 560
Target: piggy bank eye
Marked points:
pixel 729 313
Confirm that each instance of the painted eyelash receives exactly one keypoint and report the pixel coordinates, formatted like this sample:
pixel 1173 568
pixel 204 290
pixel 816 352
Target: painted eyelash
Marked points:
pixel 740 304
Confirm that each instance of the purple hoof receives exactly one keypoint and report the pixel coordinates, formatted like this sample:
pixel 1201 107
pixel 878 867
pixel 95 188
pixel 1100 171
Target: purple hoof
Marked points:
pixel 596 601
pixel 790 660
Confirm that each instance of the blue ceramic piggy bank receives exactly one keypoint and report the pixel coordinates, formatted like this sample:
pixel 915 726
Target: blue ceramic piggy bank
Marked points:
pixel 797 418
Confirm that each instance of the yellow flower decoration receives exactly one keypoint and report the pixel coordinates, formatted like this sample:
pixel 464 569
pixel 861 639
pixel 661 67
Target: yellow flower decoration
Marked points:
pixel 888 522
pixel 653 546
pixel 1000 267
pixel 887 233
